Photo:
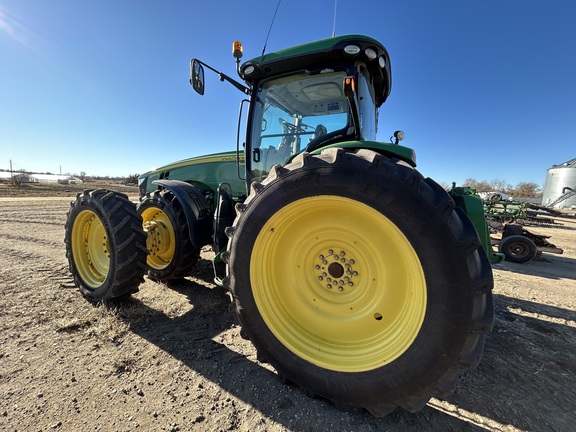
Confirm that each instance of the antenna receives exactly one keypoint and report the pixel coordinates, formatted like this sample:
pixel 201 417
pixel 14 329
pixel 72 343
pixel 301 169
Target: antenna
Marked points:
pixel 270 29
pixel 334 26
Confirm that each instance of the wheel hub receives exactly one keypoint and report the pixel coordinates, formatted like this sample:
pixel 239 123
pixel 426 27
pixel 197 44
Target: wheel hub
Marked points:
pixel 334 270
pixel 158 237
pixel 519 249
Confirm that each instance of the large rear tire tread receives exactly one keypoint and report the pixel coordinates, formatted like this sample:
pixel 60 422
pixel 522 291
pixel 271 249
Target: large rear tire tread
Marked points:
pixel 465 269
pixel 185 256
pixel 127 245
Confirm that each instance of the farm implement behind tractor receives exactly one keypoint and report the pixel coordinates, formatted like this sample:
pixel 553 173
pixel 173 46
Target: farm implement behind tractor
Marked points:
pixel 354 276
pixel 507 219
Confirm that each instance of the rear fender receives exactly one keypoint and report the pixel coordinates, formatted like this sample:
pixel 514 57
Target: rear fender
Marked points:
pixel 196 209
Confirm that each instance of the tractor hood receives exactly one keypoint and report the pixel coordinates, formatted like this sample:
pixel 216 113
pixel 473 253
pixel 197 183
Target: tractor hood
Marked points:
pixel 207 172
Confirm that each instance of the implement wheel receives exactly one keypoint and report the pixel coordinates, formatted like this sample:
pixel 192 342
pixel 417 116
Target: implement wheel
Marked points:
pixel 517 248
pixel 172 255
pixel 359 280
pixel 105 245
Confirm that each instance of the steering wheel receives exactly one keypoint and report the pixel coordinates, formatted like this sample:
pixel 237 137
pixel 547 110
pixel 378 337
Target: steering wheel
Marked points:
pixel 319 131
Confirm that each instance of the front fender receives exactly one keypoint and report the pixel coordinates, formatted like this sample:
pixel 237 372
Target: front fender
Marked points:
pixel 196 209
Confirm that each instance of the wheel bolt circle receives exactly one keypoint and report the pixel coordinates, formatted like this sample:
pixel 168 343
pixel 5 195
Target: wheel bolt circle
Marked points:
pixel 337 273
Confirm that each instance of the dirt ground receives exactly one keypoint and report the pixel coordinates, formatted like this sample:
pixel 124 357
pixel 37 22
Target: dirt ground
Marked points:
pixel 172 359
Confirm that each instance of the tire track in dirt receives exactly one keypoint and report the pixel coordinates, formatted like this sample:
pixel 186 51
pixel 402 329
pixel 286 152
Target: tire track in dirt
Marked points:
pixel 34 240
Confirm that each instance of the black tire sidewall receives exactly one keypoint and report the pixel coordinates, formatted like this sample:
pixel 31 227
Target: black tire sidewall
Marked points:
pixel 102 291
pixel 111 208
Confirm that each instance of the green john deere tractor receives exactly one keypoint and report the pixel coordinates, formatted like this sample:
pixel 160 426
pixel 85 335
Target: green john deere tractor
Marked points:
pixel 353 275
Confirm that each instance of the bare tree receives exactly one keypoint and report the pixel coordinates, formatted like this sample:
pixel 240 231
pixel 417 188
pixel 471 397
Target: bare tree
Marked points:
pixel 499 185
pixel 526 190
pixel 132 178
pixel 18 178
pixel 480 186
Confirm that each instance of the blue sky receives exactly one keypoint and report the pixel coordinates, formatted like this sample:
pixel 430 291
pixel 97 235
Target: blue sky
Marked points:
pixel 481 89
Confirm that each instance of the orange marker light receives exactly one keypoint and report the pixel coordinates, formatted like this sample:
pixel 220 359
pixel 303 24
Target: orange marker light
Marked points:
pixel 349 84
pixel 237 49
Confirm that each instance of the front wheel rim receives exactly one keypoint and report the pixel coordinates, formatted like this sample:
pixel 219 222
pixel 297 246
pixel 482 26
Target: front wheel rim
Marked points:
pixel 90 248
pixel 161 239
pixel 338 283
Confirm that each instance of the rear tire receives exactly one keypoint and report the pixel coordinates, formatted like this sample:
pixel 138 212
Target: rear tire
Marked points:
pixel 172 255
pixel 359 280
pixel 105 245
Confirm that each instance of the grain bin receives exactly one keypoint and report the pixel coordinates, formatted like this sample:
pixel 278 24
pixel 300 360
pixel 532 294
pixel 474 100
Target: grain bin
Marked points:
pixel 560 180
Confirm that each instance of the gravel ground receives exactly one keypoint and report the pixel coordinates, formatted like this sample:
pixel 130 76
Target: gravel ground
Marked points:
pixel 172 358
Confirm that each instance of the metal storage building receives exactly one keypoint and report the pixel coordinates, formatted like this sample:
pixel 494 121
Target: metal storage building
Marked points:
pixel 560 185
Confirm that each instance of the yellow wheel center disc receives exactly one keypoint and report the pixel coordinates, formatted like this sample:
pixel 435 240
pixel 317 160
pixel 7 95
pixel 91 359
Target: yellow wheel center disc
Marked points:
pixel 161 239
pixel 338 283
pixel 90 248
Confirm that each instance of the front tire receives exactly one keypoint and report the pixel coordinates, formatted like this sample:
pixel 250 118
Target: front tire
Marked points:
pixel 359 280
pixel 105 245
pixel 172 255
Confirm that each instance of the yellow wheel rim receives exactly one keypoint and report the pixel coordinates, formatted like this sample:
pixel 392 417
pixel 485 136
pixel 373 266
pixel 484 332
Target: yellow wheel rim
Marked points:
pixel 338 283
pixel 90 248
pixel 161 240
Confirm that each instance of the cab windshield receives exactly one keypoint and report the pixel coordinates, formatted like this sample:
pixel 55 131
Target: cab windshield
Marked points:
pixel 294 111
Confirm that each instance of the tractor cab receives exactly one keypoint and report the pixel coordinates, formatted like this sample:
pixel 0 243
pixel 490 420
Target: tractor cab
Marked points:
pixel 308 97
pixel 304 112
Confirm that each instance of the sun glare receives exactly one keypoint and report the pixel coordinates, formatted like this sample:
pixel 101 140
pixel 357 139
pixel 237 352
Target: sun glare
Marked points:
pixel 13 28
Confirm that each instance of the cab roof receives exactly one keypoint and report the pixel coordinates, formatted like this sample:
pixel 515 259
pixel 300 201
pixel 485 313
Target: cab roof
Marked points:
pixel 321 55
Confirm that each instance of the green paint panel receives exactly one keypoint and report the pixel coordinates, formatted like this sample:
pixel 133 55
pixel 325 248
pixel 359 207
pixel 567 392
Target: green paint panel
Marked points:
pixel 204 172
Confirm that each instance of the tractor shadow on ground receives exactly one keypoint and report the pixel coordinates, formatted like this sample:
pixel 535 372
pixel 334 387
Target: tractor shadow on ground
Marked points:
pixel 194 339
pixel 525 378
pixel 550 266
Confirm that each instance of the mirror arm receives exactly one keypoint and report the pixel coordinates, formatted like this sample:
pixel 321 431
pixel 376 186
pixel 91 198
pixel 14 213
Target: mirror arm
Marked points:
pixel 224 77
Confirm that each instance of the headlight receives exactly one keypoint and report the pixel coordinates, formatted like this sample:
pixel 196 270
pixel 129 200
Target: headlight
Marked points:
pixel 370 53
pixel 351 49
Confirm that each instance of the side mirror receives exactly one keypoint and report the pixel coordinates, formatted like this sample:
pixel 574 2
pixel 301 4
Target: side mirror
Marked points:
pixel 197 76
